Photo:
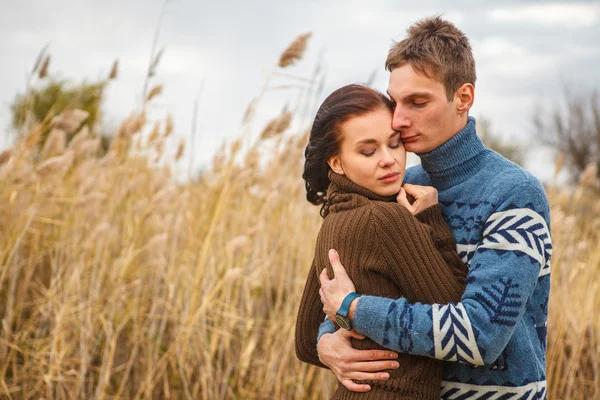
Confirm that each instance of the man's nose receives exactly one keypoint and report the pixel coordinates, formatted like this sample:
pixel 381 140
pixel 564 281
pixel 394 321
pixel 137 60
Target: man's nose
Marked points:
pixel 399 120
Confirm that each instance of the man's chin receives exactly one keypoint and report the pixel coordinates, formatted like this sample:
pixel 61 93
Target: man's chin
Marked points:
pixel 418 147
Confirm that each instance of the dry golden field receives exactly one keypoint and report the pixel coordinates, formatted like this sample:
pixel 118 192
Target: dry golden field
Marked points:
pixel 115 282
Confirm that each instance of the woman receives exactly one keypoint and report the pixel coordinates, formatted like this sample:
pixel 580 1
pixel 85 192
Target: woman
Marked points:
pixel 354 169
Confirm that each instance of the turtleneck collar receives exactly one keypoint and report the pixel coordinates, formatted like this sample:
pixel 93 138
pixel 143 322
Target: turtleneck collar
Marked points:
pixel 344 194
pixel 455 160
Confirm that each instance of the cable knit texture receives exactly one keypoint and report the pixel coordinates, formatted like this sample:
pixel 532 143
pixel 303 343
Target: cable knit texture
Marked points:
pixel 390 253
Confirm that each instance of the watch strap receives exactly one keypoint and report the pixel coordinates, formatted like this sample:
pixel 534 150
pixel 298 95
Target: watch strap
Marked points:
pixel 345 307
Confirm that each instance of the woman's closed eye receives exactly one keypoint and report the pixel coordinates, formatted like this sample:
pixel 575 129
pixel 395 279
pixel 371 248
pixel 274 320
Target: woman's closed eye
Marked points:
pixel 367 153
pixel 395 144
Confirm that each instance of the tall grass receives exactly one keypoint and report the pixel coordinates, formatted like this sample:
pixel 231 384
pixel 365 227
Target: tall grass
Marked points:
pixel 117 283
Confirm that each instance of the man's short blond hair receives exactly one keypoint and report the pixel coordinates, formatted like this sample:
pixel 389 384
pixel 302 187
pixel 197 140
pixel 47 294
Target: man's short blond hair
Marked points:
pixel 438 49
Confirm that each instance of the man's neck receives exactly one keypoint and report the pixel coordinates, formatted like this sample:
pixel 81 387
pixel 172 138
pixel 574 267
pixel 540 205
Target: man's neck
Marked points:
pixel 453 159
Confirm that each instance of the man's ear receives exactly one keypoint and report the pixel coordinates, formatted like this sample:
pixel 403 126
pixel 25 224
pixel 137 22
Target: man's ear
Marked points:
pixel 464 97
pixel 335 162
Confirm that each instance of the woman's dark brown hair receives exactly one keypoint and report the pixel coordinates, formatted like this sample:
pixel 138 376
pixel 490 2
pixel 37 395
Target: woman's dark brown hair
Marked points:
pixel 325 136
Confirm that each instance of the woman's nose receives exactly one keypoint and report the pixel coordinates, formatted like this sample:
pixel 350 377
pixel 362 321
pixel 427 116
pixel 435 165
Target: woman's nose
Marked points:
pixel 387 159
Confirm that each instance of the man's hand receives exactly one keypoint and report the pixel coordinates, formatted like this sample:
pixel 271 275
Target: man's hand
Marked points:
pixel 333 291
pixel 335 350
pixel 425 197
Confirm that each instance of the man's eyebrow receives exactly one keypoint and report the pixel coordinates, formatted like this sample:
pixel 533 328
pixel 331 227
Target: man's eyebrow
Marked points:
pixel 417 95
pixel 369 141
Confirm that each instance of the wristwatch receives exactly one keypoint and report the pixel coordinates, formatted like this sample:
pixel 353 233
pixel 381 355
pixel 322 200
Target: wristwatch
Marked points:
pixel 341 317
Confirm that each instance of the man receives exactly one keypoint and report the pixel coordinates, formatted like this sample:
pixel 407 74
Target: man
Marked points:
pixel 494 339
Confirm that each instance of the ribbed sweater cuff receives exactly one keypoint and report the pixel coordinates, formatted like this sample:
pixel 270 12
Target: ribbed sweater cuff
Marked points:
pixel 326 327
pixel 369 317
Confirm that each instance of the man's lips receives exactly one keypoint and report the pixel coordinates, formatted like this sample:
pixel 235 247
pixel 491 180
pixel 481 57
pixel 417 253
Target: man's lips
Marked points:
pixel 408 139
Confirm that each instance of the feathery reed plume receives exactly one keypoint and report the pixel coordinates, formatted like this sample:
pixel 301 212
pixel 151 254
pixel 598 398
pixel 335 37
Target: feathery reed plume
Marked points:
pixel 560 160
pixel 276 126
pixel 70 120
pixel 564 199
pixel 295 51
pixel 56 165
pixel 92 199
pixel 236 146
pixel 39 59
pixel 155 62
pixel 589 176
pixel 114 71
pixel 79 138
pixel 5 155
pixel 252 158
pixel 89 148
pixel 180 150
pixel 168 125
pixel 160 149
pixel 155 91
pixel 132 125
pixel 55 143
pixel 154 133
pixel 249 111
pixel 43 72
pixel 237 244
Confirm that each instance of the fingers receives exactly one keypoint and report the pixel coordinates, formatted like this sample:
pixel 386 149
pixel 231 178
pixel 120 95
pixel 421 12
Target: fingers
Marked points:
pixel 371 355
pixel 412 189
pixel 355 335
pixel 403 200
pixel 355 387
pixel 416 191
pixel 374 366
pixel 368 376
pixel 324 279
pixel 336 264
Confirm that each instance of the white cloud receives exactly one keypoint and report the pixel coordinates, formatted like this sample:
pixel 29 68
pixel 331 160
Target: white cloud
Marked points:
pixel 498 57
pixel 565 14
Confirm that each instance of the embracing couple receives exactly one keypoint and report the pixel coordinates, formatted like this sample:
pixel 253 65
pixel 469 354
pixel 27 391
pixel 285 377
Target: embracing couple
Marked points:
pixel 438 287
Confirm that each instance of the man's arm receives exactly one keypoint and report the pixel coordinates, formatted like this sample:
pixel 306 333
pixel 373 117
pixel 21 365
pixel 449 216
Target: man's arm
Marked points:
pixel 514 253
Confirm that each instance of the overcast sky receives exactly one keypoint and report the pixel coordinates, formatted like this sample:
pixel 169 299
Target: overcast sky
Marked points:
pixel 524 50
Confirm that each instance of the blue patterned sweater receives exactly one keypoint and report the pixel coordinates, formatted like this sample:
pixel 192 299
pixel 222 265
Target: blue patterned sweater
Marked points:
pixel 494 339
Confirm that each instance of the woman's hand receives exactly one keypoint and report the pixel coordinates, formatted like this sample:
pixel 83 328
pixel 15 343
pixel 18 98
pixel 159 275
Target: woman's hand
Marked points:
pixel 348 364
pixel 333 291
pixel 425 197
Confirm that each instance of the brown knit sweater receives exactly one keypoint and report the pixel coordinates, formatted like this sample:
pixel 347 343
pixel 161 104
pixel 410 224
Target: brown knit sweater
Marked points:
pixel 387 252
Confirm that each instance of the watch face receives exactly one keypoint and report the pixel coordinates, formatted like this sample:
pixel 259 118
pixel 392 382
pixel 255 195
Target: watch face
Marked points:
pixel 342 322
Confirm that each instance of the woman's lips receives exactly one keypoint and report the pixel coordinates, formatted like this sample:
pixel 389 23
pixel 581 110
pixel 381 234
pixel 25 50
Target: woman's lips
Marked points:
pixel 389 178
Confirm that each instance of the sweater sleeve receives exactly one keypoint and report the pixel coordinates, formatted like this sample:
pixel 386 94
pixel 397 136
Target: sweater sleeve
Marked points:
pixel 513 254
pixel 310 315
pixel 415 263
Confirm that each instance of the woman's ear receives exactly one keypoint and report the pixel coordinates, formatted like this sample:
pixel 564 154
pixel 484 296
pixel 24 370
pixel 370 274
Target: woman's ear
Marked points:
pixel 335 163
